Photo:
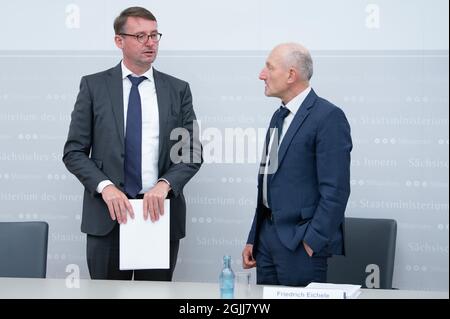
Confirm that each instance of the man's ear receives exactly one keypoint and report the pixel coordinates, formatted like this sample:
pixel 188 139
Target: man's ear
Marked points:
pixel 293 75
pixel 118 40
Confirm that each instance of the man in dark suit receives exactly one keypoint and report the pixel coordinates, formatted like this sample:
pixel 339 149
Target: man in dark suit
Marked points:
pixel 120 147
pixel 304 184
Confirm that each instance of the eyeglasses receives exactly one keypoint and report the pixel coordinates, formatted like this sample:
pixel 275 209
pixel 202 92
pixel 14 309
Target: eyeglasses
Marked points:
pixel 143 37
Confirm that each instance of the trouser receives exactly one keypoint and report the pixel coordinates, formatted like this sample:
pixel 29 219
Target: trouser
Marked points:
pixel 277 265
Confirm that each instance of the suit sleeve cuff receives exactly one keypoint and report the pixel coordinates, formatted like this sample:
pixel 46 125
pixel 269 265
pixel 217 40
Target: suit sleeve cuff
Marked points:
pixel 315 240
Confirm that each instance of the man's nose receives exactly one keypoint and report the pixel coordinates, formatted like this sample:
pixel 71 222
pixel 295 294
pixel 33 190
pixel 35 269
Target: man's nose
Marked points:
pixel 262 75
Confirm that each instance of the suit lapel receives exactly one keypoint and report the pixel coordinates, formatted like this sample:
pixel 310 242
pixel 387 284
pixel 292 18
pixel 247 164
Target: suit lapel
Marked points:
pixel 164 104
pixel 298 120
pixel 115 88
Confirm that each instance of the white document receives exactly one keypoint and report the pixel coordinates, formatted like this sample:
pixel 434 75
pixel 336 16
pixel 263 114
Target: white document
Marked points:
pixel 144 244
pixel 351 291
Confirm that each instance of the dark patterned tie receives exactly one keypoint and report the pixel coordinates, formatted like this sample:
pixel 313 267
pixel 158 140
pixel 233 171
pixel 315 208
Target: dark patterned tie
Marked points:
pixel 272 160
pixel 133 140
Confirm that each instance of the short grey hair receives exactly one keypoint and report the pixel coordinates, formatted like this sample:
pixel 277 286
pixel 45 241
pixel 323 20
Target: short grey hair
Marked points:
pixel 298 56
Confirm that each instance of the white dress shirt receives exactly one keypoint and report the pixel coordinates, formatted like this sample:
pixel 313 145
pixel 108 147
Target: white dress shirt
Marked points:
pixel 293 106
pixel 150 127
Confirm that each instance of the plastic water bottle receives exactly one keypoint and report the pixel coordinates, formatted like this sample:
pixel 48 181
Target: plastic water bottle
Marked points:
pixel 226 279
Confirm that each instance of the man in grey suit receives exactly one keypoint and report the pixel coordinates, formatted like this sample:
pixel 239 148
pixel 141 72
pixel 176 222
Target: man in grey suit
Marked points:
pixel 119 146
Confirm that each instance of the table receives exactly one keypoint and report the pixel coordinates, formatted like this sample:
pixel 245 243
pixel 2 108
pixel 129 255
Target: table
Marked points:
pixel 13 288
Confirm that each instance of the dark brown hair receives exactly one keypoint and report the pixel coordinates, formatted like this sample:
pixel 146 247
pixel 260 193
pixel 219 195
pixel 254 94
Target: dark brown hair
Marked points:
pixel 138 12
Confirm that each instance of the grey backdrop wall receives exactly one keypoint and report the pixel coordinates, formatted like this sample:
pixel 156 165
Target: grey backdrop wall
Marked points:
pixel 384 62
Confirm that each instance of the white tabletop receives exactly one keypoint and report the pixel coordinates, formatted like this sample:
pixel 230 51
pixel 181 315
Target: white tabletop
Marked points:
pixel 11 288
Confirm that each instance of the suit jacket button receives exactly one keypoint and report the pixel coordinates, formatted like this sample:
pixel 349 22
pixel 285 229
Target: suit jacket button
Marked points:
pixel 121 184
pixel 122 155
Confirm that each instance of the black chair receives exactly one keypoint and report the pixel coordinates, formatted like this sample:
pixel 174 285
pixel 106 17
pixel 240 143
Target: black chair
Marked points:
pixel 23 249
pixel 369 254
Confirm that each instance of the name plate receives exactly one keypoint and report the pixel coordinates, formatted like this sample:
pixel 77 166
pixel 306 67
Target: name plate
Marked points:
pixel 301 293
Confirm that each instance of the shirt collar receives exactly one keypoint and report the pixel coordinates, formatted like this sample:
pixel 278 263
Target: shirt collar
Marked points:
pixel 297 101
pixel 126 72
